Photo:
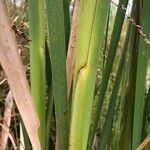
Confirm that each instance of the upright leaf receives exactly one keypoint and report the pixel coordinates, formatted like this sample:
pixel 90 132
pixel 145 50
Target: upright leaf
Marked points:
pixel 111 110
pixel 128 105
pixel 37 60
pixel 67 21
pixel 141 76
pixel 108 66
pixel 89 39
pixel 56 26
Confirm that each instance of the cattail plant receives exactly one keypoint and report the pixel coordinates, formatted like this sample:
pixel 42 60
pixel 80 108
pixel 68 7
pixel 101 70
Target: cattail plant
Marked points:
pixel 88 69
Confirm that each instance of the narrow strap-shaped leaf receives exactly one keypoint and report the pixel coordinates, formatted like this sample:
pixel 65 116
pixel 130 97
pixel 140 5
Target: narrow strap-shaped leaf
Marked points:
pixel 55 14
pixel 108 67
pixel 90 33
pixel 141 76
pixel 146 115
pixel 128 104
pixel 111 110
pixel 50 100
pixel 67 21
pixel 37 60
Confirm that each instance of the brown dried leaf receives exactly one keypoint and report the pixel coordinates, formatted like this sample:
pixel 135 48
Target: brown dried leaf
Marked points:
pixel 13 68
pixel 6 121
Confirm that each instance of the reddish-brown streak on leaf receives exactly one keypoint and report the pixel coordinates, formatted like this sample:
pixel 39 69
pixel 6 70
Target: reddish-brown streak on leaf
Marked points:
pixel 71 48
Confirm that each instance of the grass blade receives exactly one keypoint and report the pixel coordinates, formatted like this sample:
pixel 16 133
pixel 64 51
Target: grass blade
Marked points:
pixel 50 95
pixel 128 107
pixel 110 113
pixel 141 77
pixel 37 61
pixel 55 11
pixel 89 40
pixel 67 21
pixel 108 67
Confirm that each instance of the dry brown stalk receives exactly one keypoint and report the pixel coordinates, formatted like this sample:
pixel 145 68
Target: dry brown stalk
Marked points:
pixel 144 143
pixel 10 136
pixel 6 121
pixel 13 68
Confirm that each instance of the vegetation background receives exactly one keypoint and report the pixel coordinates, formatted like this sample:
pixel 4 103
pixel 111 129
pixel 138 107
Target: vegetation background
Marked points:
pixel 87 65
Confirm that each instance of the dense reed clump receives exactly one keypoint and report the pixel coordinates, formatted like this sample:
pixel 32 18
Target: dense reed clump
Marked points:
pixel 89 67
